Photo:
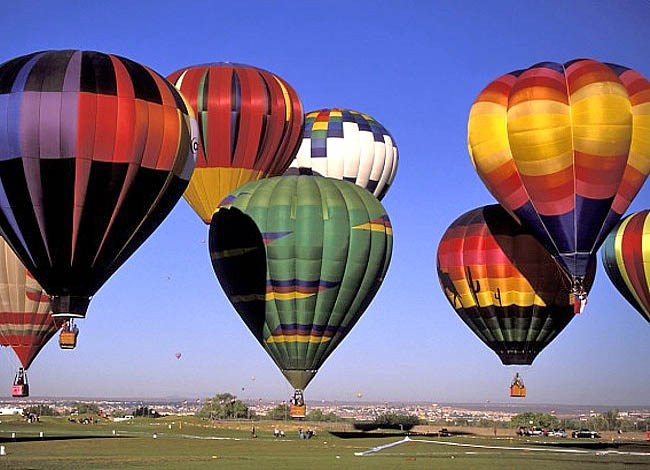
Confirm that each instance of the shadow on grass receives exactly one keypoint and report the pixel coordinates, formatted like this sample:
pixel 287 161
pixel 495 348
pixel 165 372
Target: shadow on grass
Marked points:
pixel 377 435
pixel 56 438
pixel 599 445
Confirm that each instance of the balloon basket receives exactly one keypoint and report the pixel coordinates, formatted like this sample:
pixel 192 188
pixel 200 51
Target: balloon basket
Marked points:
pixel 298 411
pixel 20 391
pixel 517 391
pixel 579 303
pixel 68 339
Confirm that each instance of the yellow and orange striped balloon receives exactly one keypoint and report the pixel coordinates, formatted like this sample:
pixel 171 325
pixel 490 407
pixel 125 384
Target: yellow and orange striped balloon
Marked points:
pixel 564 148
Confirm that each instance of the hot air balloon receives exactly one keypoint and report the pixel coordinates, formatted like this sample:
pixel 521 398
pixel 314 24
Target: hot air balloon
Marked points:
pixel 504 284
pixel 300 258
pixel 96 151
pixel 564 148
pixel 347 145
pixel 250 123
pixel 626 258
pixel 26 323
pixel 178 355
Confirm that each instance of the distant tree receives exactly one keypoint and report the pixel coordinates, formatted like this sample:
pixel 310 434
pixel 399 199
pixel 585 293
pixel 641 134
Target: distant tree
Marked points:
pixel 597 423
pixel 146 412
pixel 388 421
pixel 570 424
pixel 487 423
pixel 41 410
pixel 279 412
pixel 611 418
pixel 318 415
pixel 543 420
pixel 365 425
pixel 225 406
pixel 642 425
pixel 314 415
pixel 85 408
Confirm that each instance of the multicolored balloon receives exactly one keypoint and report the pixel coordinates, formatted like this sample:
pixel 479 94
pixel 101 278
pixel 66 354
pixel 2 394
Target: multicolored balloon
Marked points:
pixel 347 145
pixel 96 151
pixel 564 148
pixel 300 258
pixel 26 323
pixel 626 257
pixel 250 122
pixel 504 284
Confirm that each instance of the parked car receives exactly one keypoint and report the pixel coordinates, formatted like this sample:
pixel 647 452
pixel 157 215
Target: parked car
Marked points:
pixel 536 431
pixel 557 433
pixel 585 433
pixel 444 432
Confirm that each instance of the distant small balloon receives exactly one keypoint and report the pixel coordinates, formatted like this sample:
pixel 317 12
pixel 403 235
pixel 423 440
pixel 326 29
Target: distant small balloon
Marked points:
pixel 359 395
pixel 178 355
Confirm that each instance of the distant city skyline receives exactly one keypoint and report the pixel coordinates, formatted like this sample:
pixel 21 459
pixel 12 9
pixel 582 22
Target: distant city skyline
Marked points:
pixel 417 69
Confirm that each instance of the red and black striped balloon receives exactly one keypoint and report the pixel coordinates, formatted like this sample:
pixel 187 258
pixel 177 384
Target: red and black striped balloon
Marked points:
pixel 94 154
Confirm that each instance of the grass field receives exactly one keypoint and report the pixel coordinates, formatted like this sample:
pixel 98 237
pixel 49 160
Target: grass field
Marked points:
pixel 189 443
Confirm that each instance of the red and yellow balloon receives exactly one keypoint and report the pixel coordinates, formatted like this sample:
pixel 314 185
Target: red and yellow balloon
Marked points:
pixel 564 148
pixel 250 123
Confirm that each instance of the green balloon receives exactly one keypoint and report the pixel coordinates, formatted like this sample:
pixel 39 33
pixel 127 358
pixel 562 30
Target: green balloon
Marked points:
pixel 300 258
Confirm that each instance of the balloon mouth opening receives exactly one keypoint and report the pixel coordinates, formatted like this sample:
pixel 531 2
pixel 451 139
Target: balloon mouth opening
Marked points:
pixel 515 360
pixel 68 306
pixel 68 315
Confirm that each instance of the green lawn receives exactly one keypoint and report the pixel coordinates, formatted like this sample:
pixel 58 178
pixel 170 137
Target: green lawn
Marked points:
pixel 190 446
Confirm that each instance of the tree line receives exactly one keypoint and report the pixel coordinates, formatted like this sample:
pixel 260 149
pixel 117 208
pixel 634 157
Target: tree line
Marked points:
pixel 607 421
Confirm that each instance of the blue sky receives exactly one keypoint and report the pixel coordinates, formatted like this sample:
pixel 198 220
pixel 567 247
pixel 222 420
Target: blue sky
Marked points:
pixel 416 67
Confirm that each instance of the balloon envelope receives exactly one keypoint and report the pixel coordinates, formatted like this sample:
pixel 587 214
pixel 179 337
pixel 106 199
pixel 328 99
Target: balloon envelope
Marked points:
pixel 626 257
pixel 250 122
pixel 503 284
pixel 26 323
pixel 300 258
pixel 347 145
pixel 564 148
pixel 95 153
